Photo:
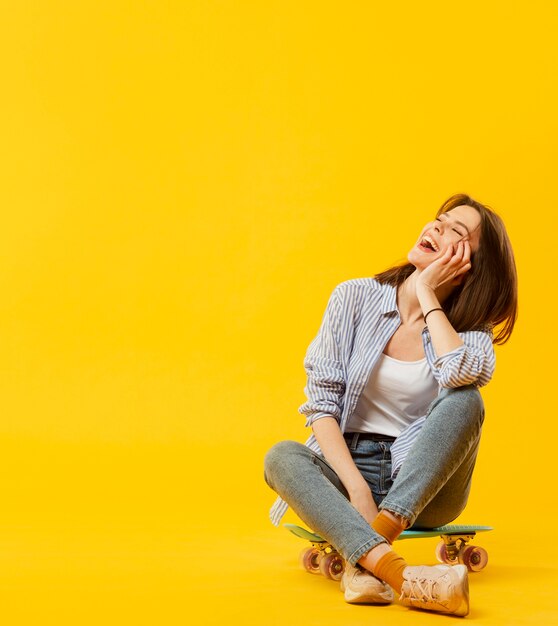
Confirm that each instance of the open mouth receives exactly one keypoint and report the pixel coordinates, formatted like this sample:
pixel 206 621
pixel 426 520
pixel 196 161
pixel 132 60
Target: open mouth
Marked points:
pixel 428 244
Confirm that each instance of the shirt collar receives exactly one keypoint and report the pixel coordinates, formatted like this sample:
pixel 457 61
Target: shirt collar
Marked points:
pixel 389 299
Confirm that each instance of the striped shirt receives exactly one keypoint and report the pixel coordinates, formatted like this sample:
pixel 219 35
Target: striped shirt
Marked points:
pixel 360 318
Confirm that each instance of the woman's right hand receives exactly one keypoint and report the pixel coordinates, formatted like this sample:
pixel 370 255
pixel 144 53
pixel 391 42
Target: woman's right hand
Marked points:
pixel 337 454
pixel 364 503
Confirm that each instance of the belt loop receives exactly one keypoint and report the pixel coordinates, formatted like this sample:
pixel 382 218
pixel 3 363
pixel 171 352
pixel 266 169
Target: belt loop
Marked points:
pixel 354 442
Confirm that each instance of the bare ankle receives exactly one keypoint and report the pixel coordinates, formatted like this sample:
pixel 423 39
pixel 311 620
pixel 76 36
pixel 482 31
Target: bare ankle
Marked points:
pixel 371 558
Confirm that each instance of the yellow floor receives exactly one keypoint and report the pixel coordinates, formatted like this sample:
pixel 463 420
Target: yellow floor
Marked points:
pixel 157 574
pixel 94 536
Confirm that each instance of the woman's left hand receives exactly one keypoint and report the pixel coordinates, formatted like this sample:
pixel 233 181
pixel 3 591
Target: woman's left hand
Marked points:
pixel 451 264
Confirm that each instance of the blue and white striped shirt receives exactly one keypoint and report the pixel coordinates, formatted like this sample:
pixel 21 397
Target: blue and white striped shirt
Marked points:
pixel 360 318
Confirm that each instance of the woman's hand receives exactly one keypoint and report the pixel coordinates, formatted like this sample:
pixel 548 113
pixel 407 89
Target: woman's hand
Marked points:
pixel 454 262
pixel 364 503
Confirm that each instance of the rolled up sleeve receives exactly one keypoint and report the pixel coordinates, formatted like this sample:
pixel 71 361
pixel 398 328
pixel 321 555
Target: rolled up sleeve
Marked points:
pixel 325 386
pixel 471 363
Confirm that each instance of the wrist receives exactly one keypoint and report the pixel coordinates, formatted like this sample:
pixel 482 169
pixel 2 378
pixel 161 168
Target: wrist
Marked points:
pixel 427 299
pixel 433 310
pixel 424 288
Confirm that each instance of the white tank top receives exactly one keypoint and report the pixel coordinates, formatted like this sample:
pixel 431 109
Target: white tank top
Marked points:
pixel 397 393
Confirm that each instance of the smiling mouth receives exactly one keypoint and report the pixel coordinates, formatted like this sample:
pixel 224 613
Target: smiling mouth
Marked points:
pixel 428 245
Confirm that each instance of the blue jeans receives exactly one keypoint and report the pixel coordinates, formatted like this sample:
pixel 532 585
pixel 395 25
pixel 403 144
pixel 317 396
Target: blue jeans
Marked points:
pixel 431 488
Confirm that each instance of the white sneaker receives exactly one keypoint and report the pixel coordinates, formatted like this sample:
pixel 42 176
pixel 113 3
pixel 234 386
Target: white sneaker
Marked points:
pixel 362 587
pixel 441 588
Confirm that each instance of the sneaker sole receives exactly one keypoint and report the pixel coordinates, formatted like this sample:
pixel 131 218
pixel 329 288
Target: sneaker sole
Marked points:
pixel 463 608
pixel 353 597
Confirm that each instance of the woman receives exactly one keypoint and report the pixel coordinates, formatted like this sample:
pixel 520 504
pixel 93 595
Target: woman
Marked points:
pixel 394 406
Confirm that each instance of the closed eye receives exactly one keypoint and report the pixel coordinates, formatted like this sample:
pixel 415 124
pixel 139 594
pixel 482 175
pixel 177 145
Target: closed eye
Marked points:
pixel 454 229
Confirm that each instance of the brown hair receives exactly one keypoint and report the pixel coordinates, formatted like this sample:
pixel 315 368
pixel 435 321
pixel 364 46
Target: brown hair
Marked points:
pixel 487 297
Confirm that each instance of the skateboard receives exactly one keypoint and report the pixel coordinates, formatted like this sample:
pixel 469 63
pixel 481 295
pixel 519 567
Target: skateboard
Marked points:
pixel 323 558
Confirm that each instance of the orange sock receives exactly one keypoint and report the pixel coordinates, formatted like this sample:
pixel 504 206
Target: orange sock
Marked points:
pixel 389 528
pixel 390 569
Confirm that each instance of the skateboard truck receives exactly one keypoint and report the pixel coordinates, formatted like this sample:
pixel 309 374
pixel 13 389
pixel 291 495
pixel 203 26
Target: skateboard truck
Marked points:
pixel 453 549
pixel 454 543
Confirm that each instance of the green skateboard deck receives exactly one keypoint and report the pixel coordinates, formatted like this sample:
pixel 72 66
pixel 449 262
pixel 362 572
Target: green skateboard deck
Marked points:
pixel 410 533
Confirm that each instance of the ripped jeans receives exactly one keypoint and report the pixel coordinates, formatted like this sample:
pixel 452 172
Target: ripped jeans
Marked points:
pixel 431 488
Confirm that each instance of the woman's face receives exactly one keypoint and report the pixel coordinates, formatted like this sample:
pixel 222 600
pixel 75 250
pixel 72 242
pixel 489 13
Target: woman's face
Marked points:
pixel 460 224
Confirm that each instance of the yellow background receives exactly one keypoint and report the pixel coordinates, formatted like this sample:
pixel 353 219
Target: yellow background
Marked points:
pixel 182 185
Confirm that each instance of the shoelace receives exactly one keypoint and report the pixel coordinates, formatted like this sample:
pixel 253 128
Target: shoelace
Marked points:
pixel 423 590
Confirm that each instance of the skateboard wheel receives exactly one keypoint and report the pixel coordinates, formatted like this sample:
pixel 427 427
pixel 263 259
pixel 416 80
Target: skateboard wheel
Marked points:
pixel 474 557
pixel 310 560
pixel 442 554
pixel 332 566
